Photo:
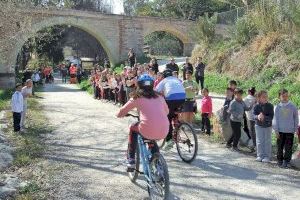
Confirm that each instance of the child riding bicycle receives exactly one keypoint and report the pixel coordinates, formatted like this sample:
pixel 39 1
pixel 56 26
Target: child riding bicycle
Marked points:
pixel 153 110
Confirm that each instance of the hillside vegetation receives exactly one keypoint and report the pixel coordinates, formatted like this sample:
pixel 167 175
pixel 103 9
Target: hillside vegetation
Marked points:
pixel 263 49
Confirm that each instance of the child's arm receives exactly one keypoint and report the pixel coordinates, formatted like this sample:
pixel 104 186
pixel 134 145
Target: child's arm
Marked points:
pixel 210 107
pixel 126 108
pixel 296 117
pixel 275 122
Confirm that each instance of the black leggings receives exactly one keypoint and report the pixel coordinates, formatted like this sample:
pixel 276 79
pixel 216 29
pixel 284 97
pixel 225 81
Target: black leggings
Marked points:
pixel 285 141
pixel 200 80
pixel 174 106
pixel 205 122
pixel 236 133
pixel 133 142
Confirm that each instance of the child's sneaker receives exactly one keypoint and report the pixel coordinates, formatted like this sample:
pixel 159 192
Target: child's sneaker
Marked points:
pixel 130 165
pixel 259 159
pixel 266 160
pixel 169 145
pixel 279 163
pixel 286 164
pixel 228 146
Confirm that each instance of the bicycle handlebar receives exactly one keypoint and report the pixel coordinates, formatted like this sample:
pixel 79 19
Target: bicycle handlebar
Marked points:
pixel 134 116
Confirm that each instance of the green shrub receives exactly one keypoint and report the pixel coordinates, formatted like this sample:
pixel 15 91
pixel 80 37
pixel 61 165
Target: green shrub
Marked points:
pixel 5 96
pixel 205 30
pixel 244 30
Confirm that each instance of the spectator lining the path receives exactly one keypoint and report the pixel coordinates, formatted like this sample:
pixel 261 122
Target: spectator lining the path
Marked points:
pixel 206 111
pixel 236 110
pixel 285 125
pixel 17 103
pixel 250 101
pixel 264 113
pixel 199 72
pixel 191 89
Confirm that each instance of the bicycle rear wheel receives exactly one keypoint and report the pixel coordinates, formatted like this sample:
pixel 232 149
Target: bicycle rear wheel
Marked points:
pixel 133 175
pixel 186 142
pixel 160 187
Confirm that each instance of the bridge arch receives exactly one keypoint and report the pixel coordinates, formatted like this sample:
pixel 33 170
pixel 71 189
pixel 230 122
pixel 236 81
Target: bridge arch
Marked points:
pixel 53 21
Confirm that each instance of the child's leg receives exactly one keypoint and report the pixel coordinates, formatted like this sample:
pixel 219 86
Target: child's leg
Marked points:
pixel 280 145
pixel 237 135
pixel 17 120
pixel 207 124
pixel 288 146
pixel 251 125
pixel 233 133
pixel 268 142
pixel 132 141
pixel 259 141
pixel 203 121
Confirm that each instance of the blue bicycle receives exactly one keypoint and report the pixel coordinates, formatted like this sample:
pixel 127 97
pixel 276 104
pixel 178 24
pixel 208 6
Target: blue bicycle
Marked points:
pixel 155 168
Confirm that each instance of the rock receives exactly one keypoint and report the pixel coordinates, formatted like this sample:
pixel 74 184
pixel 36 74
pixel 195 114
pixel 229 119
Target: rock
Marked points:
pixel 9 186
pixel 6 157
pixel 295 162
pixel 7 192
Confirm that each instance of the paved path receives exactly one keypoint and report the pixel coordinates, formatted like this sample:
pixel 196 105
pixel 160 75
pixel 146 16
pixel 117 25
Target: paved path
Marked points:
pixel 92 142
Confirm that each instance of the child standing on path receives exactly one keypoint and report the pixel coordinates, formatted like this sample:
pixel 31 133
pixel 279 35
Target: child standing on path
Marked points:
pixel 17 107
pixel 250 101
pixel 26 92
pixel 263 114
pixel 236 110
pixel 206 111
pixel 285 125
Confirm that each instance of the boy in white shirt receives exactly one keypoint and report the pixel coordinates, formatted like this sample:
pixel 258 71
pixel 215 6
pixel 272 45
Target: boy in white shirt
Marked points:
pixel 17 107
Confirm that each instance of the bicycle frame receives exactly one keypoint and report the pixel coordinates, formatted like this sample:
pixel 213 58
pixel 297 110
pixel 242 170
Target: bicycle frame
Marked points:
pixel 145 154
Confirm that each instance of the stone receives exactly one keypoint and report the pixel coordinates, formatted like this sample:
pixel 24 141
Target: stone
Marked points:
pixel 7 192
pixel 295 162
pixel 6 157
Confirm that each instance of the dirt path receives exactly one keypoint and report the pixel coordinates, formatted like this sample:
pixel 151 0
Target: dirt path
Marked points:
pixel 90 144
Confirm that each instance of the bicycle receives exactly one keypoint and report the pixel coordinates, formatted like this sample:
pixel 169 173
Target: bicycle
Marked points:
pixel 185 139
pixel 155 169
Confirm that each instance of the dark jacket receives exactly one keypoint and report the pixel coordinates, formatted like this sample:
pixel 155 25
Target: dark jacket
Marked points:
pixel 200 70
pixel 268 111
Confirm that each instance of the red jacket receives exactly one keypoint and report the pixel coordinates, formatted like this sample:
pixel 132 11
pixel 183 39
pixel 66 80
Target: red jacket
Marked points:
pixel 206 105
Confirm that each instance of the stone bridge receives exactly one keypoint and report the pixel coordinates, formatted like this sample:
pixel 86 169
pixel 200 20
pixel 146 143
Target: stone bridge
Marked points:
pixel 116 33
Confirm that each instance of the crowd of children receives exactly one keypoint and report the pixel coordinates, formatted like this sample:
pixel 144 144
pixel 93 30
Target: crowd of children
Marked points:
pixel 257 116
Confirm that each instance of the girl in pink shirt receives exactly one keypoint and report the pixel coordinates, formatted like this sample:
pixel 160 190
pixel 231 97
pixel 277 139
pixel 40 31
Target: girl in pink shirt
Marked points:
pixel 153 110
pixel 206 111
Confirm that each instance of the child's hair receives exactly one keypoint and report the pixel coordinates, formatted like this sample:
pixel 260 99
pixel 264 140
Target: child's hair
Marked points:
pixel 282 92
pixel 205 89
pixel 252 91
pixel 238 91
pixel 146 92
pixel 262 92
pixel 18 85
pixel 232 82
pixel 189 72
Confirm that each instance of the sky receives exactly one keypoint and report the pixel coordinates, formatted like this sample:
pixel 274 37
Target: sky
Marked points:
pixel 117 6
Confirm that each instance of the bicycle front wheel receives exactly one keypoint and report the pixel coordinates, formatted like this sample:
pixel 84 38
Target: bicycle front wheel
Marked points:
pixel 186 142
pixel 160 186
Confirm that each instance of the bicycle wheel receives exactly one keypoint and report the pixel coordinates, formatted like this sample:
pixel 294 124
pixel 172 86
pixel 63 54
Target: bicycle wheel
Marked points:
pixel 186 142
pixel 133 175
pixel 159 188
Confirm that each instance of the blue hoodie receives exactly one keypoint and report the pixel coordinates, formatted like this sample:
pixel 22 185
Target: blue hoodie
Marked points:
pixel 286 118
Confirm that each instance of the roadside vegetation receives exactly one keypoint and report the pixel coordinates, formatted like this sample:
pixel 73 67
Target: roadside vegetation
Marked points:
pixel 28 150
pixel 262 49
pixel 5 96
